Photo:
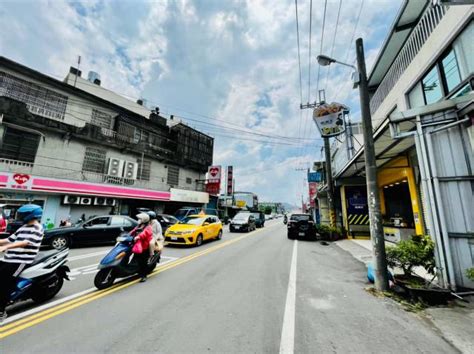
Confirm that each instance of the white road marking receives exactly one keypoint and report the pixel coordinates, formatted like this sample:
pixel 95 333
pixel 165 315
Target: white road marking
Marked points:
pixel 65 299
pixel 88 255
pixel 287 342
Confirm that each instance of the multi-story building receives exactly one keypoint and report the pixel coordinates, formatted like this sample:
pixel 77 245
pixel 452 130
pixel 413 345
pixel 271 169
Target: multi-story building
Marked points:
pixel 82 150
pixel 422 109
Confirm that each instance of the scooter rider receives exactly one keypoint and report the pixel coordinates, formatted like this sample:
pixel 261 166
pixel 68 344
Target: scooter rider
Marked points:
pixel 157 243
pixel 143 235
pixel 20 249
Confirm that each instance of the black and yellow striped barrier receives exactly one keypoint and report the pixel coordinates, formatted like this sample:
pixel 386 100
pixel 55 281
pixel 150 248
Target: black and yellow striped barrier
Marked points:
pixel 358 219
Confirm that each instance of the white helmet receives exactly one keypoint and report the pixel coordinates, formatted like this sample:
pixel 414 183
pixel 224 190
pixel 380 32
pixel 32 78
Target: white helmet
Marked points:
pixel 143 218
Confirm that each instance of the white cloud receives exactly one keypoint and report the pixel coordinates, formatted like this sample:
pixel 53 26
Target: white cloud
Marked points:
pixel 233 60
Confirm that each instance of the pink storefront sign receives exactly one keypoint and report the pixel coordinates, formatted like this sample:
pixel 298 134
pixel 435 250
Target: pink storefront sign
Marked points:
pixel 58 186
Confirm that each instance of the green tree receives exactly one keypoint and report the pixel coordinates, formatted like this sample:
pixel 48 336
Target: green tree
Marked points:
pixel 268 210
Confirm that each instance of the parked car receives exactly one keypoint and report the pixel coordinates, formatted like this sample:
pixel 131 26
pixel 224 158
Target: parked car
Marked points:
pixel 243 222
pixel 166 221
pixel 259 219
pixel 194 230
pixel 98 230
pixel 301 225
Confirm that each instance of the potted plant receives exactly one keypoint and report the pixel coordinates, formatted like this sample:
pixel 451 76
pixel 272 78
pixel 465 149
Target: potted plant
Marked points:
pixel 416 252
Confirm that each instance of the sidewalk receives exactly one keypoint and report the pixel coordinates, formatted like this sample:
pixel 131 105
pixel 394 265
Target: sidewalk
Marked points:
pixel 454 322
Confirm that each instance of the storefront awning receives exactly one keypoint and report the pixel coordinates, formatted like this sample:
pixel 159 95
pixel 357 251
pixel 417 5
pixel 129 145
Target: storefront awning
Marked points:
pixel 24 182
pixel 386 148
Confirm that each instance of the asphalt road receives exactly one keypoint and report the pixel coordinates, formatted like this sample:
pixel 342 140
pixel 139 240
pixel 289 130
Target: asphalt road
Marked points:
pixel 248 293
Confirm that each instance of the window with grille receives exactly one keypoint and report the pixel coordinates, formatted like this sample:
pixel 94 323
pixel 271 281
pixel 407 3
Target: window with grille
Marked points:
pixel 189 180
pixel 101 119
pixel 144 170
pixel 173 175
pixel 19 145
pixel 94 160
pixel 39 100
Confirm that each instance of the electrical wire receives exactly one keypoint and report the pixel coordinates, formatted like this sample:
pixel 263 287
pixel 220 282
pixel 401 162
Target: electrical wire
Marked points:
pixel 333 42
pixel 299 50
pixel 309 51
pixel 322 44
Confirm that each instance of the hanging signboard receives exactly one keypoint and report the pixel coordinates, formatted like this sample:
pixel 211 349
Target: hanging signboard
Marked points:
pixel 230 180
pixel 214 174
pixel 314 176
pixel 313 192
pixel 329 118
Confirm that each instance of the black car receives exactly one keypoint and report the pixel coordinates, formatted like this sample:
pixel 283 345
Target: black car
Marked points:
pixel 259 218
pixel 166 221
pixel 301 225
pixel 98 230
pixel 242 222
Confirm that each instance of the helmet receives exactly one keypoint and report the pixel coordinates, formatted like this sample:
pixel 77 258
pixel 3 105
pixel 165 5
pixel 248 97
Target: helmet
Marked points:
pixel 143 218
pixel 151 214
pixel 29 212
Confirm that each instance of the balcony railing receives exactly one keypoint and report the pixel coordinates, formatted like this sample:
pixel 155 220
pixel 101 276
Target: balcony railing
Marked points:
pixel 416 40
pixel 16 166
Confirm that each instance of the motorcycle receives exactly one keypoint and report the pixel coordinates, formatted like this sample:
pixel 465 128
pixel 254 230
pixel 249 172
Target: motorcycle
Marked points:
pixel 120 263
pixel 42 279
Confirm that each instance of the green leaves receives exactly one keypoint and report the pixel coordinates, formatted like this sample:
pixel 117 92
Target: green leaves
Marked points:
pixel 417 252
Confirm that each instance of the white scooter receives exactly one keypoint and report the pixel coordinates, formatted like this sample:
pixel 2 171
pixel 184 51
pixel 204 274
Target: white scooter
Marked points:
pixel 42 279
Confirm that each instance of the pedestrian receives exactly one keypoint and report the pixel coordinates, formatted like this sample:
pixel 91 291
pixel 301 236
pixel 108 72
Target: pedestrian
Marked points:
pixel 158 241
pixel 20 249
pixel 143 235
pixel 3 221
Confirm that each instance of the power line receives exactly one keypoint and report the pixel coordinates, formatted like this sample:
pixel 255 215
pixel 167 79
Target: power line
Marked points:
pixel 322 43
pixel 299 55
pixel 333 42
pixel 350 46
pixel 309 52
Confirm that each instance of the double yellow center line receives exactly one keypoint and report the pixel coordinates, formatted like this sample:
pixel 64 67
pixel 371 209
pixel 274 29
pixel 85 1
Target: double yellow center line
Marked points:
pixel 42 316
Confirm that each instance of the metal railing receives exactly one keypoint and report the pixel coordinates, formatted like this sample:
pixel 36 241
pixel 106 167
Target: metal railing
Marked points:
pixel 16 166
pixel 412 46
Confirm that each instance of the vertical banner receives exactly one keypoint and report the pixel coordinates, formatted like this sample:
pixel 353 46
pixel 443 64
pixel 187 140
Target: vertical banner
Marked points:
pixel 313 190
pixel 230 180
pixel 329 118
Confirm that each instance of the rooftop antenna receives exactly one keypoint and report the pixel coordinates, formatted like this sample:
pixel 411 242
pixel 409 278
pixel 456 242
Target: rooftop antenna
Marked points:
pixel 77 72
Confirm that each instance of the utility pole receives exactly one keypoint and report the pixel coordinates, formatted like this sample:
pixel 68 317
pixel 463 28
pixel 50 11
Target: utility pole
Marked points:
pixel 373 197
pixel 332 214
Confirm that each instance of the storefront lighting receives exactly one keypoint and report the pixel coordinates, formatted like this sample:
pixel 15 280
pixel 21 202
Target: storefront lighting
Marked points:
pixel 397 183
pixel 391 185
pixel 385 186
pixel 404 181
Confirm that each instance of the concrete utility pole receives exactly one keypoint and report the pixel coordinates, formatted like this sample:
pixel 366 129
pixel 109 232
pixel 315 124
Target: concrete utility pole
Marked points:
pixel 373 197
pixel 332 213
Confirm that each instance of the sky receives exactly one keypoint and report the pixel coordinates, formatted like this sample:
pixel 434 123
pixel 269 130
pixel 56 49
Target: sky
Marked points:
pixel 226 67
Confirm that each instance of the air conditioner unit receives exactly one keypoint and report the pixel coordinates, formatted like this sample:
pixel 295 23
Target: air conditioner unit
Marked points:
pixel 99 201
pixel 71 199
pixel 103 201
pixel 110 202
pixel 86 201
pixel 130 170
pixel 115 167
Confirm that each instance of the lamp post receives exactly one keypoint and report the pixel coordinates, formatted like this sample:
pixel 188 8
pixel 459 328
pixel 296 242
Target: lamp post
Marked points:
pixel 373 197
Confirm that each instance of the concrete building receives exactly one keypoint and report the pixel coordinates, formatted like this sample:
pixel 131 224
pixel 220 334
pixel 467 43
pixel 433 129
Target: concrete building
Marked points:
pixel 82 150
pixel 422 109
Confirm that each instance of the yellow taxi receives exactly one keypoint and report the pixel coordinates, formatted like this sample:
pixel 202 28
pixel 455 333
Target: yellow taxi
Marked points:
pixel 194 229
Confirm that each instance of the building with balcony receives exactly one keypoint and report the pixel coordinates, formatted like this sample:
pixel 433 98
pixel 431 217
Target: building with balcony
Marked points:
pixel 422 109
pixel 82 150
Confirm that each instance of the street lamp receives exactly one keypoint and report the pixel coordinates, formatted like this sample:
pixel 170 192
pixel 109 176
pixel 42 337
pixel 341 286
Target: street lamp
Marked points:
pixel 359 79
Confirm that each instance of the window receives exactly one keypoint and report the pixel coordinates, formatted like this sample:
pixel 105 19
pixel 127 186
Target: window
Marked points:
pixel 39 100
pixel 94 160
pixel 98 222
pixel 144 170
pixel 19 145
pixel 173 175
pixel 101 119
pixel 189 180
pixel 451 71
pixel 432 86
